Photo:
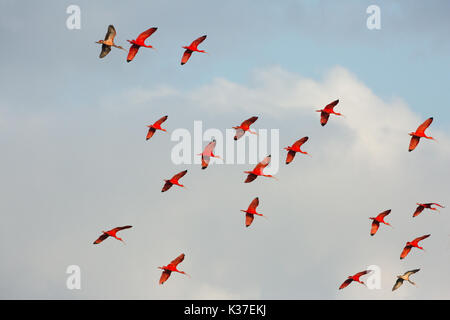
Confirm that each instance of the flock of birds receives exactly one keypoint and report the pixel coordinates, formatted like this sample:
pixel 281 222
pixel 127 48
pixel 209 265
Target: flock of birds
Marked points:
pixel 258 170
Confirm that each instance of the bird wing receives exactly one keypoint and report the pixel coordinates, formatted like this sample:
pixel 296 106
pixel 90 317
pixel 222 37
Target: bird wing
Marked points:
pixel 132 52
pixel 161 120
pixel 424 126
pixel 330 106
pixel 197 41
pixel 324 118
pixel 299 142
pixel 101 238
pixel 421 238
pixel 374 229
pixel 105 50
pixel 247 123
pixel 205 161
pixel 166 186
pixel 250 177
pixel 408 273
pixel 239 133
pixel 253 204
pixel 397 284
pixel 437 204
pixel 179 175
pixel 418 211
pixel 111 33
pixel 186 56
pixel 345 283
pixel 150 133
pixel 177 260
pixel 405 252
pixel 144 35
pixel 264 163
pixel 290 156
pixel 121 228
pixel 209 148
pixel 249 219
pixel 384 213
pixel 413 143
pixel 164 276
pixel 359 274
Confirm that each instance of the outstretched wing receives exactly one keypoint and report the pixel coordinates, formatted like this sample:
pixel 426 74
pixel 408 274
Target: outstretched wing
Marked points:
pixel 179 175
pixel 101 238
pixel 418 211
pixel 290 156
pixel 111 33
pixel 345 283
pixel 359 274
pixel 121 228
pixel 299 142
pixel 247 123
pixel 144 35
pixel 161 120
pixel 324 118
pixel 197 41
pixel 186 56
pixel 250 177
pixel 424 126
pixel 413 143
pixel 132 52
pixel 253 204
pixel 249 219
pixel 164 276
pixel 405 252
pixel 150 133
pixel 384 213
pixel 421 238
pixel 397 284
pixel 264 163
pixel 239 133
pixel 409 273
pixel 205 161
pixel 177 260
pixel 209 148
pixel 375 226
pixel 166 186
pixel 105 50
pixel 437 204
pixel 330 106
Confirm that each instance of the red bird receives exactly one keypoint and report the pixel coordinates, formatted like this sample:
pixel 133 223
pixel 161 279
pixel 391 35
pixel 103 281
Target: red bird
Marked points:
pixel 420 133
pixel 208 153
pixel 251 211
pixel 422 206
pixel 155 126
pixel 325 112
pixel 377 220
pixel 171 267
pixel 292 150
pixel 174 180
pixel 414 243
pixel 354 278
pixel 245 126
pixel 139 42
pixel 111 233
pixel 258 170
pixel 191 48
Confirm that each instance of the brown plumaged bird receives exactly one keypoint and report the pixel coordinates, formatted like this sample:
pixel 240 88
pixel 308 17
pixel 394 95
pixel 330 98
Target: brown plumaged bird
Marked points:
pixel 404 277
pixel 108 42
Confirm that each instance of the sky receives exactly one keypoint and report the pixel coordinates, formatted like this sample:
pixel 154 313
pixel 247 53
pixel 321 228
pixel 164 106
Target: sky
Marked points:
pixel 75 160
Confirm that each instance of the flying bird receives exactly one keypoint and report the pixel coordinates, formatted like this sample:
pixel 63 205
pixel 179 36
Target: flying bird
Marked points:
pixel 244 127
pixel 355 277
pixel 139 42
pixel 108 42
pixel 422 206
pixel 191 48
pixel 292 150
pixel 258 170
pixel 171 267
pixel 251 211
pixel 325 112
pixel 111 233
pixel 377 220
pixel 174 181
pixel 404 277
pixel 207 153
pixel 420 133
pixel 156 126
pixel 414 243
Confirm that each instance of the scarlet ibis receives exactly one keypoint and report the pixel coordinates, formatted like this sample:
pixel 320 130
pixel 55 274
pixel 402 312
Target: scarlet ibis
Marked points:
pixel 111 233
pixel 258 170
pixel 171 267
pixel 108 42
pixel 251 211
pixel 325 112
pixel 420 133
pixel 208 153
pixel 404 277
pixel 245 126
pixel 355 277
pixel 139 42
pixel 377 220
pixel 191 48
pixel 422 206
pixel 292 150
pixel 174 181
pixel 155 126
pixel 411 244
